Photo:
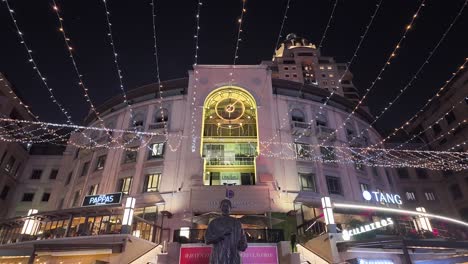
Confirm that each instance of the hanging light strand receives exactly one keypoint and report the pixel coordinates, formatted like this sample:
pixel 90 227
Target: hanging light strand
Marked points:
pixel 280 34
pixel 416 75
pixel 330 19
pixel 392 56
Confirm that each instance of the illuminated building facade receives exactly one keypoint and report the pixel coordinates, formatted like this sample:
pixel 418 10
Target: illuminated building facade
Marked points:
pixel 242 132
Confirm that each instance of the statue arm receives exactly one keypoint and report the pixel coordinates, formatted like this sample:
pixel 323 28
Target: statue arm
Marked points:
pixel 242 246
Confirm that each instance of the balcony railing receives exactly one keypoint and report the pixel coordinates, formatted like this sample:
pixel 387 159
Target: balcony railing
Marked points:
pixel 156 126
pixel 244 161
pixel 300 128
pixel 323 132
pixel 252 235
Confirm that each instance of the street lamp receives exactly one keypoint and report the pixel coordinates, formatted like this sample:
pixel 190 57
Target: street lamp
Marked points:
pixel 128 215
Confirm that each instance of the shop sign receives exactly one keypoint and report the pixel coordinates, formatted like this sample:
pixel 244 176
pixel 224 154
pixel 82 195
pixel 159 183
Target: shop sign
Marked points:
pixel 370 261
pixel 102 199
pixel 380 197
pixel 253 255
pixel 347 234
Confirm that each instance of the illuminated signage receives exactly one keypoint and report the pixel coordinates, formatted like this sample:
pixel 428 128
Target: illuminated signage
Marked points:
pixel 382 197
pixel 347 234
pixel 102 199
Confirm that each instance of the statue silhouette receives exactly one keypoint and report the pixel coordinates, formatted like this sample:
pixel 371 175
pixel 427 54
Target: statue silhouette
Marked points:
pixel 226 235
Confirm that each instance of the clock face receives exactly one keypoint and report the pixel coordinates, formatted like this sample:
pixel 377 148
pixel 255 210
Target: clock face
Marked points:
pixel 230 109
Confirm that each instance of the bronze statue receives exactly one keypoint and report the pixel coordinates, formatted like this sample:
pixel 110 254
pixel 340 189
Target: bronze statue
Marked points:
pixel 227 236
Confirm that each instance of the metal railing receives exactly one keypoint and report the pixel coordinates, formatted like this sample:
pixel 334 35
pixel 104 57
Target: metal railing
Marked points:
pixel 231 162
pixel 253 236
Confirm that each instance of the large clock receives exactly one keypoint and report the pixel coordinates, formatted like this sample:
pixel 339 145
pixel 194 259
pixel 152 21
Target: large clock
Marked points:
pixel 230 109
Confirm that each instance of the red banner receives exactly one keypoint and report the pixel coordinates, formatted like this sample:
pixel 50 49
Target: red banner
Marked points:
pixel 253 255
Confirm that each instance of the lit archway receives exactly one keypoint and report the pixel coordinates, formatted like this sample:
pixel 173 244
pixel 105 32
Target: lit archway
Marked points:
pixel 229 144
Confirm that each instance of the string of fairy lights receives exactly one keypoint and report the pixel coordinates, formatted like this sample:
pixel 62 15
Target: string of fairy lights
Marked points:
pixel 378 78
pixel 195 77
pixel 330 19
pixel 421 110
pixel 416 75
pixel 285 120
pixel 370 156
pixel 14 130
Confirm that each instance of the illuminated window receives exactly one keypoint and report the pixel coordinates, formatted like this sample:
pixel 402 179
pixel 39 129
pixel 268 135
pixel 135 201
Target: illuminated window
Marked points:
pixel 93 189
pixel 329 67
pixel 430 196
pixel 156 151
pixel 101 161
pixel 331 75
pixel 410 196
pixel 303 150
pixel 322 68
pixel 152 182
pixel 124 185
pixel 364 187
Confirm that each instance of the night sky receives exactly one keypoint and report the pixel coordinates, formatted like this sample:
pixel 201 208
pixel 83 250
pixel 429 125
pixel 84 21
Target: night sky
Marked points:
pixel 85 23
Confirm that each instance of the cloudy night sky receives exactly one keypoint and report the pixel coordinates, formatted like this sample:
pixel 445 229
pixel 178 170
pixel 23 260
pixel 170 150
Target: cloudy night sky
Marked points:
pixel 85 24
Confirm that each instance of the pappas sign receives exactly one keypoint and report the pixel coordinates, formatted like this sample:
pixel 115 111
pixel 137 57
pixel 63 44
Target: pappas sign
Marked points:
pixel 102 199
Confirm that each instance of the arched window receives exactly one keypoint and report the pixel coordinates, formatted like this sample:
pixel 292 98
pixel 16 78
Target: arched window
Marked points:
pixel 297 116
pixel 138 121
pixel 161 115
pixel 321 120
pixel 350 131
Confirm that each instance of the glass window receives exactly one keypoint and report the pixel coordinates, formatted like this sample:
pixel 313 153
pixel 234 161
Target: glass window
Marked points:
pixel 68 178
pixel 303 150
pixel 422 173
pixel 308 181
pixel 152 182
pixel 101 161
pixel 45 197
pixel 85 169
pixel 76 198
pixel 4 193
pixel 161 115
pixel 334 185
pixel 28 197
pixel 358 164
pixel 156 151
pixel 456 192
pixel 124 185
pixel 138 121
pixel 53 174
pixel 10 164
pixel 410 196
pixel 450 117
pixel 403 173
pixel 130 156
pixel 430 195
pixel 93 189
pixel 36 174
pixel 437 129
pixel 328 153
pixel 297 116
pixel 364 186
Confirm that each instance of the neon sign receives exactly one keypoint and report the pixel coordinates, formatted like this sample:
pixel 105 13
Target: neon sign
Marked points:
pixel 382 197
pixel 347 234
pixel 102 199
